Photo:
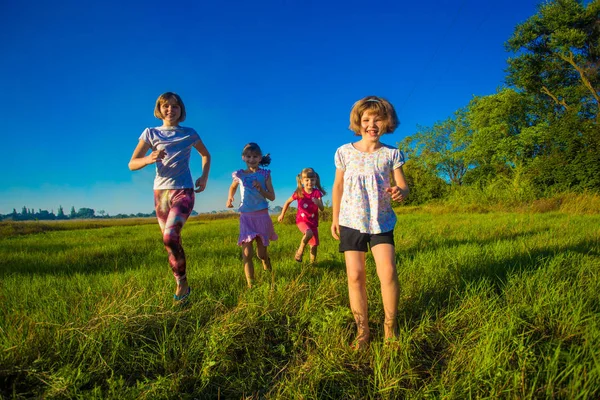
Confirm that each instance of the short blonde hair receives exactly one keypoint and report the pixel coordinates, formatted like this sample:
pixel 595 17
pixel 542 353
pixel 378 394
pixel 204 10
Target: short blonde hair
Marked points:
pixel 375 105
pixel 165 98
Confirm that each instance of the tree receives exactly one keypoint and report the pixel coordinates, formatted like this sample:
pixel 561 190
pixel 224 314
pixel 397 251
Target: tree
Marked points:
pixel 424 184
pixel 73 213
pixel 558 55
pixel 503 134
pixel 60 214
pixel 557 65
pixel 440 149
pixel 86 213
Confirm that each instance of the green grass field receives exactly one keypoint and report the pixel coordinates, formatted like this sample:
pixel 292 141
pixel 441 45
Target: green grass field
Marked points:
pixel 495 305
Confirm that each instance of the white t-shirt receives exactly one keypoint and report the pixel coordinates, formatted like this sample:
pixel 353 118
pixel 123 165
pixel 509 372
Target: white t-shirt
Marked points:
pixel 173 171
pixel 365 205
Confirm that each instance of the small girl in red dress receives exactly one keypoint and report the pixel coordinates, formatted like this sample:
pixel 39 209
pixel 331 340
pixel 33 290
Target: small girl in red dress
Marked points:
pixel 309 196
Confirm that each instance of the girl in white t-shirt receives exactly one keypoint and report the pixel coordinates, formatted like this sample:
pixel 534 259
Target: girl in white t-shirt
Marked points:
pixel 362 212
pixel 174 197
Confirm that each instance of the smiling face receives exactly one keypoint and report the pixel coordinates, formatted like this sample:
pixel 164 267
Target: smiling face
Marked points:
pixel 171 112
pixel 252 159
pixel 308 183
pixel 371 126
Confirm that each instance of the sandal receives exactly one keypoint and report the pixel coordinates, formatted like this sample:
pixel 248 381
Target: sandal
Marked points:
pixel 298 258
pixel 183 299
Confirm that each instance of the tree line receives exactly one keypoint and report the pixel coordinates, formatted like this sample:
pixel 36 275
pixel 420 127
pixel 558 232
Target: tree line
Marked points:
pixel 537 135
pixel 28 214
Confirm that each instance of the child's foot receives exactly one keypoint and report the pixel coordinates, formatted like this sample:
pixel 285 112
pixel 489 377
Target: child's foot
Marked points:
pixel 182 287
pixel 267 264
pixel 298 257
pixel 362 340
pixel 182 300
pixel 390 330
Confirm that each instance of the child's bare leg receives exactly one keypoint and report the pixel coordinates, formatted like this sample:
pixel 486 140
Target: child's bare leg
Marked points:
pixel 385 261
pixel 313 254
pixel 357 291
pixel 248 264
pixel 262 254
pixel 305 239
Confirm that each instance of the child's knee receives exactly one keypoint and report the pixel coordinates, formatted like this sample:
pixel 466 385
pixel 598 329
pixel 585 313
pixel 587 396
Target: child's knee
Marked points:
pixel 309 234
pixel 356 279
pixel 170 239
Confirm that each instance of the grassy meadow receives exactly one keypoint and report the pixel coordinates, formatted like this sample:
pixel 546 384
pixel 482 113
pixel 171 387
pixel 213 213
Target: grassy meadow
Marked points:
pixel 492 305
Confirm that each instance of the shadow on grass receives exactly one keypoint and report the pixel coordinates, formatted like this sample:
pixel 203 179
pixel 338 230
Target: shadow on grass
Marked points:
pixel 444 242
pixel 78 260
pixel 437 298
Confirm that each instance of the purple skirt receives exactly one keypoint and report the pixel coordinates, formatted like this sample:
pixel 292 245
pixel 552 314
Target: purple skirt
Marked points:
pixel 256 224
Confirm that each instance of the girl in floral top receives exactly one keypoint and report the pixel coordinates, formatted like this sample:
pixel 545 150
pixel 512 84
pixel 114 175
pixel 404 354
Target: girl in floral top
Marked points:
pixel 363 217
pixel 309 195
pixel 255 222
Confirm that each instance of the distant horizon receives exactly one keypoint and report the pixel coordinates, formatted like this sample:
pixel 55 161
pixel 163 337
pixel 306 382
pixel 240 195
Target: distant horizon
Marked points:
pixel 234 210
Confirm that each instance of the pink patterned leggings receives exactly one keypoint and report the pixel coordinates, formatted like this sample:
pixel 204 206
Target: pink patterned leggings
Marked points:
pixel 173 207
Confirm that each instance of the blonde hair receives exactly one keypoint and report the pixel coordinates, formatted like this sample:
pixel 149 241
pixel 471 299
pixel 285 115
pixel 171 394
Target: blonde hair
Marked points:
pixel 308 173
pixel 165 98
pixel 255 148
pixel 375 105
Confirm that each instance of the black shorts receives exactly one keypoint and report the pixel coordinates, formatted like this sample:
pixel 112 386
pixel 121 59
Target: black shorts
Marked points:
pixel 353 240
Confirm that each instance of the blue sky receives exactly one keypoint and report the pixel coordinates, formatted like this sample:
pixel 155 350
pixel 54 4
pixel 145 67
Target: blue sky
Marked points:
pixel 80 79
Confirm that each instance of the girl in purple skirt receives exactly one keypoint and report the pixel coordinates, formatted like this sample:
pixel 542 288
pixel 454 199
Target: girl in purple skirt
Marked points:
pixel 255 222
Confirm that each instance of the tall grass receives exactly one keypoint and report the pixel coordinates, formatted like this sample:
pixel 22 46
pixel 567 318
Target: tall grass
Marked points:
pixel 495 305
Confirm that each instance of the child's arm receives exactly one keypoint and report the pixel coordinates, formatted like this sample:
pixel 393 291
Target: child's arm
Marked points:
pixel 319 202
pixel 336 198
pixel 232 190
pixel 139 159
pixel 400 191
pixel 201 182
pixel 267 193
pixel 285 208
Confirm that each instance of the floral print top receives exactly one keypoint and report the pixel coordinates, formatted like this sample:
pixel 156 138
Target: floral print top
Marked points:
pixel 365 205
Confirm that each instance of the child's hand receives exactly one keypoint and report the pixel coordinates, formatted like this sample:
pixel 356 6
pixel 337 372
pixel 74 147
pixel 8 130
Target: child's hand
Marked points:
pixel 201 184
pixel 256 185
pixel 396 193
pixel 335 230
pixel 280 218
pixel 229 202
pixel 156 155
pixel 315 200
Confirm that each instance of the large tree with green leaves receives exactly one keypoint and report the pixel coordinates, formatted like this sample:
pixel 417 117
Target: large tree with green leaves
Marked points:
pixel 557 64
pixel 505 134
pixel 558 55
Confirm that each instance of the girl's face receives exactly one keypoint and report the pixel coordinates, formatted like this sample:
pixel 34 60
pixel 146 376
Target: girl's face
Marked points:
pixel 308 183
pixel 252 159
pixel 371 126
pixel 171 112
